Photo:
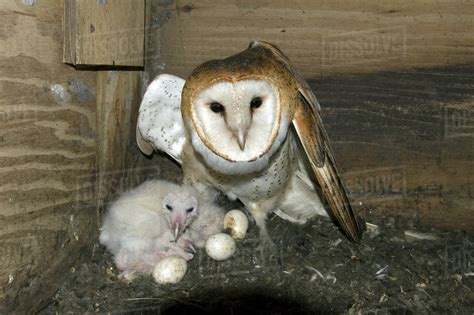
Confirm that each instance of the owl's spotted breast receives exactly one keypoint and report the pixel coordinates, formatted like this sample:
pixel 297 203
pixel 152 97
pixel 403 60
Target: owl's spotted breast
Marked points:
pixel 265 184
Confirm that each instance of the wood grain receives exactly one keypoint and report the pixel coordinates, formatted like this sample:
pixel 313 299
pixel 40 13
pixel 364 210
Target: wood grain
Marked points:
pixel 104 32
pixel 320 37
pixel 47 145
pixel 405 142
pixel 117 100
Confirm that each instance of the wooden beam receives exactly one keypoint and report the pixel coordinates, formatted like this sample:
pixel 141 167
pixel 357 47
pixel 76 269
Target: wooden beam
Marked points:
pixel 118 99
pixel 100 32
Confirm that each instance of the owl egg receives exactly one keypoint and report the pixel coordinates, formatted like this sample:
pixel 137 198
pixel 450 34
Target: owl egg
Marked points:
pixel 237 223
pixel 220 246
pixel 170 270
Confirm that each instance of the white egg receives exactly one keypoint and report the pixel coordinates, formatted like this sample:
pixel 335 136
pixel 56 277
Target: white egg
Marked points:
pixel 237 223
pixel 170 269
pixel 220 246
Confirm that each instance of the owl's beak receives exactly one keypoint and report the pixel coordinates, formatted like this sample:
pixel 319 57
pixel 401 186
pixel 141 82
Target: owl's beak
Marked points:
pixel 241 138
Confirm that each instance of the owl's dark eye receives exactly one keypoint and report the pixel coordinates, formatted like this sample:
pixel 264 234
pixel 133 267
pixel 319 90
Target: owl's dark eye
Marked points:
pixel 170 208
pixel 217 107
pixel 255 103
pixel 190 210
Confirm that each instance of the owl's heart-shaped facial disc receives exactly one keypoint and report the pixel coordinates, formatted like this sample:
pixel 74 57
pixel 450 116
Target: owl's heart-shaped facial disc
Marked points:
pixel 238 121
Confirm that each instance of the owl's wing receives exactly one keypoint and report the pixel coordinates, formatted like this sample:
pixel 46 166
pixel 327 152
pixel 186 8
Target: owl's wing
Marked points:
pixel 309 127
pixel 160 124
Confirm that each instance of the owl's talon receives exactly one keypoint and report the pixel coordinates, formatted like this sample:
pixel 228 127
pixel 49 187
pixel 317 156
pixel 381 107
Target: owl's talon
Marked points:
pixel 191 248
pixel 186 244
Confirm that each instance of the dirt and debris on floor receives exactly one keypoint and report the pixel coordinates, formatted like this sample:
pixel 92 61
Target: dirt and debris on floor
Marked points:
pixel 400 267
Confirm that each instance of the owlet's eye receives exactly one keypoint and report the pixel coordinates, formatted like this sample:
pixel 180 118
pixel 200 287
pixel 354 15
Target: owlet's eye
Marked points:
pixel 170 208
pixel 217 107
pixel 255 103
pixel 190 210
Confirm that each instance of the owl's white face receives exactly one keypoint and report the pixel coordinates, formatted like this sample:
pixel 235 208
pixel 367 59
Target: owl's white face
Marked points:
pixel 240 119
pixel 238 122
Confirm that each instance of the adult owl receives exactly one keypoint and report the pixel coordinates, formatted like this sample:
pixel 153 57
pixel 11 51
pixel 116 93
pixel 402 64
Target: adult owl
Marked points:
pixel 249 126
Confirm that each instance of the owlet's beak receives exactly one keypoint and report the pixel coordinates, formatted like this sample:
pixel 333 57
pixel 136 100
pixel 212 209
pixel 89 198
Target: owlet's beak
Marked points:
pixel 176 231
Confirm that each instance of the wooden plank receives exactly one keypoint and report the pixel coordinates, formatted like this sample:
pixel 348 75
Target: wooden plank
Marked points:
pixel 320 37
pixel 118 98
pixel 405 142
pixel 99 32
pixel 47 153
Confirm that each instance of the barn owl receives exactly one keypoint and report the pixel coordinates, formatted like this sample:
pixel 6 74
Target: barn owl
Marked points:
pixel 249 126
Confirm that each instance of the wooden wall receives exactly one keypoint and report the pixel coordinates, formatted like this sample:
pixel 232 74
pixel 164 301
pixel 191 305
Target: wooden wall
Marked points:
pixel 321 37
pixel 47 155
pixel 67 147
pixel 405 142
